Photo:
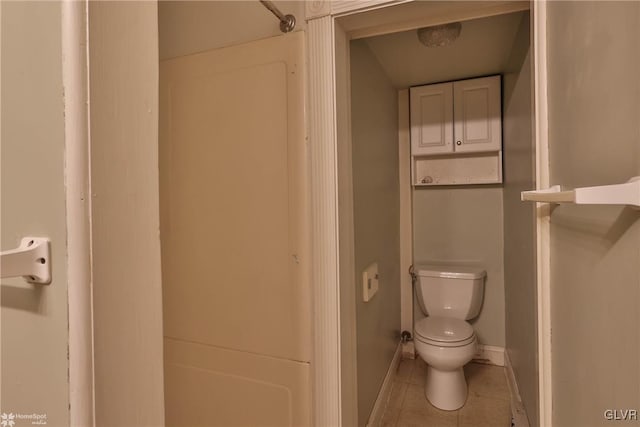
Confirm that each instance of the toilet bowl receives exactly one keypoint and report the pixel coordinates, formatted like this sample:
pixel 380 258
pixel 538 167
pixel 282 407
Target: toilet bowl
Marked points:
pixel 444 340
pixel 446 345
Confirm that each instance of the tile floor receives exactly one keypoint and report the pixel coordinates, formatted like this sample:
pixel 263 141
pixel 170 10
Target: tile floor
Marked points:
pixel 487 403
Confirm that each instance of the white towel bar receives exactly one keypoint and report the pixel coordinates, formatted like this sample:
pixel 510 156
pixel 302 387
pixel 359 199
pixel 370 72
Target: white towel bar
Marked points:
pixel 618 194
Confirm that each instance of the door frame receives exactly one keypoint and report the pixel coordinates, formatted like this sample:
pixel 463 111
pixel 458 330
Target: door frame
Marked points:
pixel 543 211
pixel 97 219
pixel 79 250
pixel 334 402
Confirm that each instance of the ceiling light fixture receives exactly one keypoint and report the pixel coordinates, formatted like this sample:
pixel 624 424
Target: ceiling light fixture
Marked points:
pixel 439 35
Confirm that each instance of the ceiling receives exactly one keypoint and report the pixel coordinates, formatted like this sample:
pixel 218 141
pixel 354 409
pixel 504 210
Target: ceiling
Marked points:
pixel 188 27
pixel 483 48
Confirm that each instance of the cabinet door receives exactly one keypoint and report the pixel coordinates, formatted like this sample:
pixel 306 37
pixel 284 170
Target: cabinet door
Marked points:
pixel 431 119
pixel 477 114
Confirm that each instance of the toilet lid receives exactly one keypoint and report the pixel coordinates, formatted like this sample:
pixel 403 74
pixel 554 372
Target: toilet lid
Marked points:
pixel 443 329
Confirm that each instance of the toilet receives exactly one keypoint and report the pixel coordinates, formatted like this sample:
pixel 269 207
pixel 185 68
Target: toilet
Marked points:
pixel 449 296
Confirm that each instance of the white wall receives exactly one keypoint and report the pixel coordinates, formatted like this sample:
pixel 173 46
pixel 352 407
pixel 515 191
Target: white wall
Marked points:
pixel 34 317
pixel 194 26
pixel 519 222
pixel 594 139
pixel 464 224
pixel 374 121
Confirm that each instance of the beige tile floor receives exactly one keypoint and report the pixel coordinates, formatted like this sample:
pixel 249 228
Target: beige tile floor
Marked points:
pixel 487 403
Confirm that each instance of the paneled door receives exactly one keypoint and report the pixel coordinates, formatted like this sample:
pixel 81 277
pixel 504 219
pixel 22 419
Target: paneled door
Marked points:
pixel 477 114
pixel 431 119
pixel 234 224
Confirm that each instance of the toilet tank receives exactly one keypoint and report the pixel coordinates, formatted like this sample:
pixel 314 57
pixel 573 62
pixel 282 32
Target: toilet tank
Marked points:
pixel 450 291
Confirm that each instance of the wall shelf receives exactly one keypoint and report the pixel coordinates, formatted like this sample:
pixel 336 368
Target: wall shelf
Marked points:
pixel 31 260
pixel 618 194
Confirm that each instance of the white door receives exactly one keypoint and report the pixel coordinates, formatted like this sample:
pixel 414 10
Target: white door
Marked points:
pixel 477 115
pixel 234 211
pixel 431 119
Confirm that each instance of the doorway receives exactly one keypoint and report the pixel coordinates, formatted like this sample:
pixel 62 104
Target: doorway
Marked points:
pixel 379 22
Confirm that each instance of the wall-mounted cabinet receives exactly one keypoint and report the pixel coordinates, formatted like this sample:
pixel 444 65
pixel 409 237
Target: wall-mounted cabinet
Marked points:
pixel 453 126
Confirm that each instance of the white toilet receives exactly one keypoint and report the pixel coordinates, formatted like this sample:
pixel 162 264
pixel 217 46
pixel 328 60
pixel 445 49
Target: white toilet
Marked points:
pixel 448 295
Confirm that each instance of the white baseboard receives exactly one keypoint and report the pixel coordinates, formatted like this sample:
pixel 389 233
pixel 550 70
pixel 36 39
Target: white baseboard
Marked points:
pixel 489 354
pixel 385 391
pixel 518 414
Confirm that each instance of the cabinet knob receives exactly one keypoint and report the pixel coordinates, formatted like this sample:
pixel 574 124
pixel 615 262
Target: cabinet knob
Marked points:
pixel 458 142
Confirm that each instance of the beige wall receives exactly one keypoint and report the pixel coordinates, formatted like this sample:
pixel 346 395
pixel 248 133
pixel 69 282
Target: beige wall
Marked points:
pixel 194 26
pixel 594 138
pixel 234 226
pixel 464 224
pixel 376 217
pixel 519 222
pixel 272 366
pixel 125 213
pixel 34 317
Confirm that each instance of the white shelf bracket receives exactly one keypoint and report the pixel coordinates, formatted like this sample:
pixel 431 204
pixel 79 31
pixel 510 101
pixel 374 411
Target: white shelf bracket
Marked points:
pixel 31 260
pixel 618 194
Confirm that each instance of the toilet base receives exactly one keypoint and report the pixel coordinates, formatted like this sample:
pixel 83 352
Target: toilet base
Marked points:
pixel 446 390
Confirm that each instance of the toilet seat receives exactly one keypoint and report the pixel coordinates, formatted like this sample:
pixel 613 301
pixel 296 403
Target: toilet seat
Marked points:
pixel 444 331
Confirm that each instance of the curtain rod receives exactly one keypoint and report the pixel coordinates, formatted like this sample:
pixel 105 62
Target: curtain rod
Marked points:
pixel 287 22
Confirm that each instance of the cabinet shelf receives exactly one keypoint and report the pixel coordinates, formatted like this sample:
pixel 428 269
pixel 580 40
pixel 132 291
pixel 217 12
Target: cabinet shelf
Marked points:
pixel 457 169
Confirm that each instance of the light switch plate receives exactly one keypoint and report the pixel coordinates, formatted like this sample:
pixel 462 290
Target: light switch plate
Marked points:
pixel 370 282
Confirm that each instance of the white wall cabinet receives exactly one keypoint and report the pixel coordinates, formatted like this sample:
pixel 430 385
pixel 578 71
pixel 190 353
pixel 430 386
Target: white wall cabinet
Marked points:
pixel 456 132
